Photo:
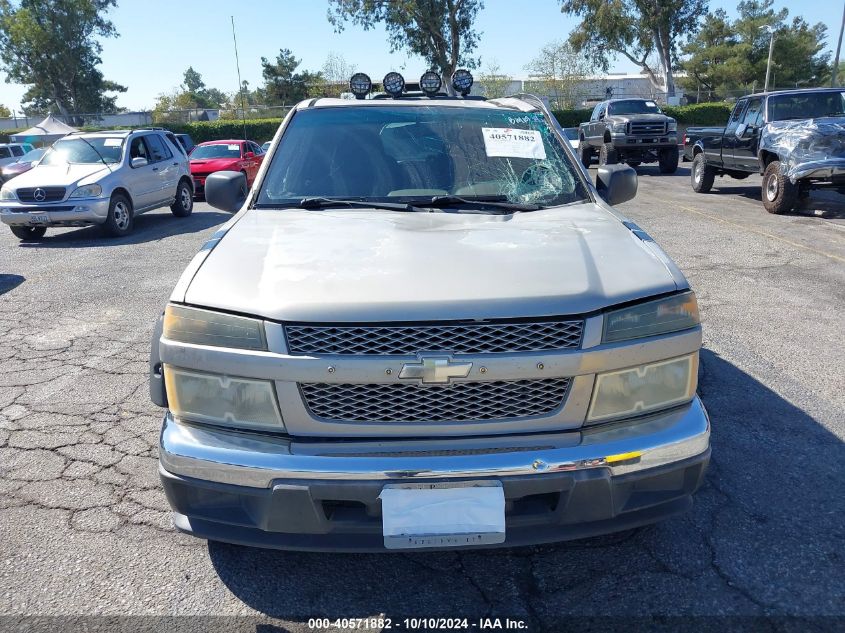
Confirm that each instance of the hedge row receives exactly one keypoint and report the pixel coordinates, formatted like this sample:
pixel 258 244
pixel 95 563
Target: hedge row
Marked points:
pixel 258 130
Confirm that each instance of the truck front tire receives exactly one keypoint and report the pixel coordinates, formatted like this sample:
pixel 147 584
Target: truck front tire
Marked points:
pixel 702 175
pixel 586 153
pixel 668 160
pixel 778 193
pixel 607 154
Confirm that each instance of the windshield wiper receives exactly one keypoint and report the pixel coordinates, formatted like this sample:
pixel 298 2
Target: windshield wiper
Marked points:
pixel 328 203
pixel 82 138
pixel 495 202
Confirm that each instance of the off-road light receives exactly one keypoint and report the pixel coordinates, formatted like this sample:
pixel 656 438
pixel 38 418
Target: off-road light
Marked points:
pixel 462 81
pixel 360 85
pixel 393 84
pixel 430 83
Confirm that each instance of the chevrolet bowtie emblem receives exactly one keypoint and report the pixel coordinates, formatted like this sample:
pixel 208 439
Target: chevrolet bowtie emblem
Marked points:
pixel 435 370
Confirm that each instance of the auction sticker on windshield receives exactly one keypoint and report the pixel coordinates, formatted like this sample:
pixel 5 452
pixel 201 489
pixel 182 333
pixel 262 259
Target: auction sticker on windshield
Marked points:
pixel 113 142
pixel 513 143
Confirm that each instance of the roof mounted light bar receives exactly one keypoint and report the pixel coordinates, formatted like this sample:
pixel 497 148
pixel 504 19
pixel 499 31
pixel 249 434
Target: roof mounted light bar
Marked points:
pixel 394 85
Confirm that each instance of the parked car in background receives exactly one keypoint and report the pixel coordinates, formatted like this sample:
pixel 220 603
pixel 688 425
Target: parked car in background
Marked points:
pixel 186 142
pixel 266 145
pixel 795 138
pixel 632 131
pixel 22 164
pixel 105 178
pixel 571 134
pixel 10 152
pixel 426 328
pixel 225 155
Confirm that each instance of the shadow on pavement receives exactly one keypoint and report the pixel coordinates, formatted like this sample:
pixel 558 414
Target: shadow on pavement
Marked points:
pixel 10 282
pixel 149 227
pixel 765 537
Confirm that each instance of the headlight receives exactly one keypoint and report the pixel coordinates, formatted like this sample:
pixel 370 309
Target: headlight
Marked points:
pixel 672 126
pixel 87 191
pixel 618 127
pixel 670 314
pixel 224 400
pixel 627 392
pixel 204 327
pixel 6 193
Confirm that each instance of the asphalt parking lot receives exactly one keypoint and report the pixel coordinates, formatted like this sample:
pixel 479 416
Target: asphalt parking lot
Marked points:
pixel 84 528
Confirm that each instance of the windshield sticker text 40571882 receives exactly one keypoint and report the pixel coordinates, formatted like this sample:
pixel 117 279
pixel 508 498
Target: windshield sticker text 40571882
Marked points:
pixel 513 143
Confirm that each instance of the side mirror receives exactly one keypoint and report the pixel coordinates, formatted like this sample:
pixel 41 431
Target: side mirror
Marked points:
pixel 249 155
pixel 227 190
pixel 615 183
pixel 139 161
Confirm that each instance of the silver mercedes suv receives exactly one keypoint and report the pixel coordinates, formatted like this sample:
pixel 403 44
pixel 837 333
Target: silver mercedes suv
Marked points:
pixel 426 328
pixel 104 178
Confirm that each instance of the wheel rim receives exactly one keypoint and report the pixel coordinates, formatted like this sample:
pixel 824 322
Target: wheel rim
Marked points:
pixel 697 171
pixel 186 198
pixel 121 216
pixel 772 188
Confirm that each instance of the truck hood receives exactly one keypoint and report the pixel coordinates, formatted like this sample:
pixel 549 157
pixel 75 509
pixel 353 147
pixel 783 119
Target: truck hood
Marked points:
pixel 371 265
pixel 807 147
pixel 61 175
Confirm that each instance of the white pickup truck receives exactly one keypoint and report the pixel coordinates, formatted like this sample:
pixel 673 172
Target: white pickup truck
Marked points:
pixel 426 328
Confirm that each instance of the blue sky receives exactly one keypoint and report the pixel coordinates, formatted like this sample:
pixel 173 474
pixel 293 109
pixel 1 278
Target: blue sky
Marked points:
pixel 159 39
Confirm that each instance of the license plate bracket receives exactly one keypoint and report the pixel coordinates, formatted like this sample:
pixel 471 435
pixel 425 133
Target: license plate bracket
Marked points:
pixel 443 514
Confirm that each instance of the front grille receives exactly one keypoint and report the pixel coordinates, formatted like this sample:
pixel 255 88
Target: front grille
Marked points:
pixel 458 402
pixel 652 128
pixel 469 338
pixel 51 194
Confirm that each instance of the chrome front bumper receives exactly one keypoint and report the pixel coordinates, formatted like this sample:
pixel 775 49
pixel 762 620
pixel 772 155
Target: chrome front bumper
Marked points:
pixel 261 461
pixel 81 211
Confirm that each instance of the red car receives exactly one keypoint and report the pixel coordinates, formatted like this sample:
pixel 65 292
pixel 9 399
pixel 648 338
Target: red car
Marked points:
pixel 227 155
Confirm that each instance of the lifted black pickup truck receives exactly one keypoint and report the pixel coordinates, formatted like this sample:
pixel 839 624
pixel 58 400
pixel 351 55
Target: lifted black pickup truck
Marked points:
pixel 630 131
pixel 795 138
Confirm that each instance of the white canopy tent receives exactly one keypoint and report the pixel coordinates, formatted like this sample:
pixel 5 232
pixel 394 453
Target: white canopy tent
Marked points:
pixel 46 132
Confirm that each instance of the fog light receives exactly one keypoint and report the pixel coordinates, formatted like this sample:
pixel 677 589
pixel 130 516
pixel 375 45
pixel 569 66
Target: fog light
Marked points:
pixel 430 83
pixel 360 85
pixel 393 84
pixel 462 81
pixel 627 392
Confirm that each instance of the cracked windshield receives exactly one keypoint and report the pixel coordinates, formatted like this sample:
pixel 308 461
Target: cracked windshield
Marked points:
pixel 404 153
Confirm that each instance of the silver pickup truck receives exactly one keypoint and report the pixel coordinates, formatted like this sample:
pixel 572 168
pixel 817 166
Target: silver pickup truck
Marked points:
pixel 426 328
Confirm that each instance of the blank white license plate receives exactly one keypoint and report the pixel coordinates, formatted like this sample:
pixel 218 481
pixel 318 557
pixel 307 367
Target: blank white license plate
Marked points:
pixel 39 219
pixel 443 514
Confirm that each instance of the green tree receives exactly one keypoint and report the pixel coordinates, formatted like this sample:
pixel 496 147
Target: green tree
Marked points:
pixel 727 56
pixel 635 29
pixel 440 31
pixel 283 85
pixel 494 81
pixel 52 47
pixel 5 113
pixel 559 70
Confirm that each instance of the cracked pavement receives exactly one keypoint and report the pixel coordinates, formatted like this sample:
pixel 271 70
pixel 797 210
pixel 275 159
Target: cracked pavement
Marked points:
pixel 84 525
